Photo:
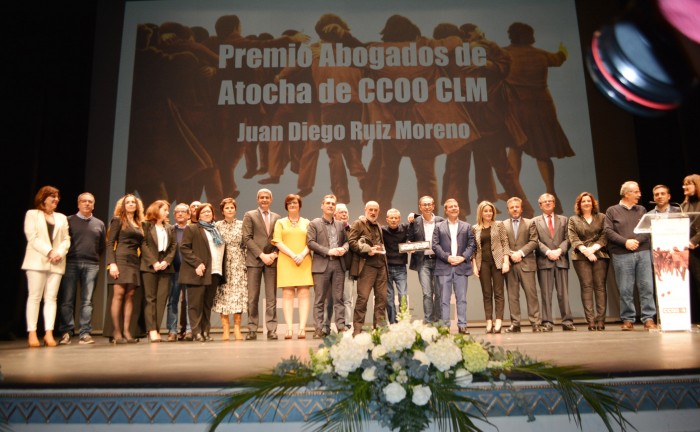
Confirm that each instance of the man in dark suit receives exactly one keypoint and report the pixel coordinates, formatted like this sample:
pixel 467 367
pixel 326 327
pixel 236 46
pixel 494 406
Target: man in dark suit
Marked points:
pixel 553 263
pixel 369 266
pixel 522 240
pixel 423 262
pixel 453 244
pixel 325 236
pixel 261 261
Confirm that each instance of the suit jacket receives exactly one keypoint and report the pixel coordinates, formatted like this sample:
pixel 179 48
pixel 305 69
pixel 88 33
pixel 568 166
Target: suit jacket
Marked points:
pixel 546 242
pixel 416 232
pixel 255 239
pixel 39 244
pixel 581 233
pixel 525 241
pixel 195 251
pixel 149 248
pixel 442 246
pixel 317 241
pixel 359 240
pixel 499 244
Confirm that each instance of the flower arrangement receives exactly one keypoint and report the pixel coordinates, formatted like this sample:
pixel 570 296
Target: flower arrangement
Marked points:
pixel 410 374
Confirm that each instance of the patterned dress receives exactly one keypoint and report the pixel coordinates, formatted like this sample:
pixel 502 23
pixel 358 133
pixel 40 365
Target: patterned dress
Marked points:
pixel 232 295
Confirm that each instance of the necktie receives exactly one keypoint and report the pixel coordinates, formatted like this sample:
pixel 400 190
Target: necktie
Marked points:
pixel 550 225
pixel 266 218
pixel 515 226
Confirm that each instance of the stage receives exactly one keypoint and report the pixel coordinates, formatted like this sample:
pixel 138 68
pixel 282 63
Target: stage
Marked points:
pixel 177 385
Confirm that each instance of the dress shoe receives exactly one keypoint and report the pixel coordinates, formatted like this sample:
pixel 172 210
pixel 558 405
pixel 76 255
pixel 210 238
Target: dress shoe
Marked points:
pixel 463 330
pixel 207 337
pixel 536 328
pixel 188 337
pixel 326 332
pixel 591 327
pixel 172 337
pixel 650 325
pixel 252 335
pixel 318 334
pixel 568 327
pixel 627 326
pixel 272 336
pixel 513 329
pixel 547 327
pixel 600 326
pixel 199 338
pixel 269 180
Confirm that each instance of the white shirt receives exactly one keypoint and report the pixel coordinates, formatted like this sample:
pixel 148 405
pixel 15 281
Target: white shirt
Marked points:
pixel 429 227
pixel 453 236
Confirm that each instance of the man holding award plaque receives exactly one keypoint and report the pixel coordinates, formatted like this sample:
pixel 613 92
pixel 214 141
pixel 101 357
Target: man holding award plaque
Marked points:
pixel 369 266
pixel 423 260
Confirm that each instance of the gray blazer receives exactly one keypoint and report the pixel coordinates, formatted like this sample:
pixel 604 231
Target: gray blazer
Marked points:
pixel 317 241
pixel 255 239
pixel 546 242
pixel 525 240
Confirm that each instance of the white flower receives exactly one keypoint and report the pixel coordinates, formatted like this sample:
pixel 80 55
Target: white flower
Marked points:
pixel 347 354
pixel 444 353
pixel 402 377
pixel 394 392
pixel 463 377
pixel 363 341
pixel 429 334
pixel 421 357
pixel 400 336
pixel 421 395
pixel 369 374
pixel 378 352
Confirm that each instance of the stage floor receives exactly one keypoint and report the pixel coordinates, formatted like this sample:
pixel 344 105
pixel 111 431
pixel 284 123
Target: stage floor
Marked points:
pixel 608 354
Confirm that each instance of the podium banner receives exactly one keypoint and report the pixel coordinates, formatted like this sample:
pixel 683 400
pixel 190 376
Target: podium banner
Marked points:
pixel 669 239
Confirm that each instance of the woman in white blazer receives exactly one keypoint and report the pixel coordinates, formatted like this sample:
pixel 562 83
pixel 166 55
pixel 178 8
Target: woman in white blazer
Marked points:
pixel 44 261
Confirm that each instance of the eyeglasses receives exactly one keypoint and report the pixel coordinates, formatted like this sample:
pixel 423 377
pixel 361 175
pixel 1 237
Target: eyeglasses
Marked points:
pixel 546 201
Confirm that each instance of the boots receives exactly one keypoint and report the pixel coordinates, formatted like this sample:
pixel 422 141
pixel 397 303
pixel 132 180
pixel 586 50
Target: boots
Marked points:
pixel 225 326
pixel 237 326
pixel 33 340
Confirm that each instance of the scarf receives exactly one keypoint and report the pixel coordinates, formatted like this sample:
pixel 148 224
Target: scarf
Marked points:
pixel 211 229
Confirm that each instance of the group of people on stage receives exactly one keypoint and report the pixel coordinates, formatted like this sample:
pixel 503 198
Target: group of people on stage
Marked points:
pixel 202 264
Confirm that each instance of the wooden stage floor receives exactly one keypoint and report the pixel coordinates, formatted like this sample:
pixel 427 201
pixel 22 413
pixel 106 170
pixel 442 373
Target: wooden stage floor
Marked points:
pixel 608 354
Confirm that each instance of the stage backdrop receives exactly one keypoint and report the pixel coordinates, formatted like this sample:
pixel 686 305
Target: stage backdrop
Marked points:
pixel 385 101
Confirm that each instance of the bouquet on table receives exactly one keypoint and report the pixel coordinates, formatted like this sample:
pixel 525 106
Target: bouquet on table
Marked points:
pixel 410 374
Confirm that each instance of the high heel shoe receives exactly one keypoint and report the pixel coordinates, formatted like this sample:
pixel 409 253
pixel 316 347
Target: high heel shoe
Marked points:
pixel 33 340
pixel 489 326
pixel 49 341
pixel 301 334
pixel 152 338
pixel 288 335
pixel 497 327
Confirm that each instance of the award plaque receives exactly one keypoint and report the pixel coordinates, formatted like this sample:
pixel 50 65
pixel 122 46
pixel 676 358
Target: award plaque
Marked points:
pixel 414 246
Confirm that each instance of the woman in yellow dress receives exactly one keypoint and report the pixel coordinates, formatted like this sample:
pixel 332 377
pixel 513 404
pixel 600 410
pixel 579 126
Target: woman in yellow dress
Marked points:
pixel 293 264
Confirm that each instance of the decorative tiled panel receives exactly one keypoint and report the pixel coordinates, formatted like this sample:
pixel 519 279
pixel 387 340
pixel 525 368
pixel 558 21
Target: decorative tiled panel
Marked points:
pixel 198 406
